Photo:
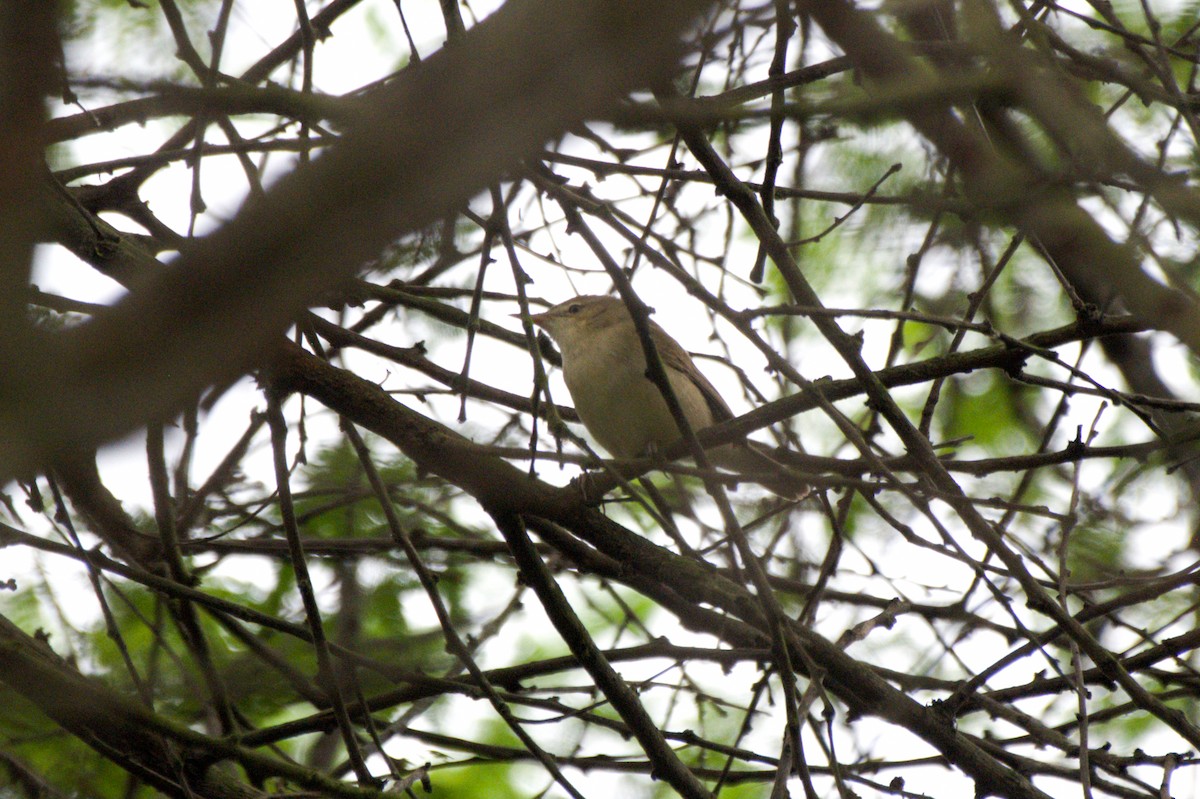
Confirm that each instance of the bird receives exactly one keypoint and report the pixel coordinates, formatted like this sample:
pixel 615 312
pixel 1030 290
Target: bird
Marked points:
pixel 604 366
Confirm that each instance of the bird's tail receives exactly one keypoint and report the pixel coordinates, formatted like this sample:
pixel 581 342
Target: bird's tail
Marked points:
pixel 755 461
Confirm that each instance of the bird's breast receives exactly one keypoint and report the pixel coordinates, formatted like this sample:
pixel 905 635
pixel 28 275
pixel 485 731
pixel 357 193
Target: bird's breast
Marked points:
pixel 622 409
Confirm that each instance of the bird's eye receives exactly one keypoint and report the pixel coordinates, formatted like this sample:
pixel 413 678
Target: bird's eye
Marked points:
pixel 576 308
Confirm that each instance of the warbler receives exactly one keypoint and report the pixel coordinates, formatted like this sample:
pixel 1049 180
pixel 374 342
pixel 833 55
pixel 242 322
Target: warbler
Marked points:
pixel 604 366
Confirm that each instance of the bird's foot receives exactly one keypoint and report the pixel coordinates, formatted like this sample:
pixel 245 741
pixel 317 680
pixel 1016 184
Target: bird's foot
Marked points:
pixel 588 488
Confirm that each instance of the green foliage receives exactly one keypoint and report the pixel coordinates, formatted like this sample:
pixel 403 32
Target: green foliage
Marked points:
pixel 983 408
pixel 1095 552
pixel 65 762
pixel 479 779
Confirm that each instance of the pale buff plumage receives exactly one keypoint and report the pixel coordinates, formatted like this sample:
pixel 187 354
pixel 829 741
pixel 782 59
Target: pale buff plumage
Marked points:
pixel 604 366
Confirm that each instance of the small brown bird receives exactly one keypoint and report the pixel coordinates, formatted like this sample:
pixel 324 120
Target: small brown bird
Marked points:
pixel 605 370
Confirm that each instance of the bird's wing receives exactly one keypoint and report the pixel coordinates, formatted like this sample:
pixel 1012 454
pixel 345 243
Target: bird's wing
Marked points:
pixel 675 357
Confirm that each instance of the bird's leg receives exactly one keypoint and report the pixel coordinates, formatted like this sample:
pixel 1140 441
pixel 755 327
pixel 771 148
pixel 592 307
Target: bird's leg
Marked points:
pixel 588 488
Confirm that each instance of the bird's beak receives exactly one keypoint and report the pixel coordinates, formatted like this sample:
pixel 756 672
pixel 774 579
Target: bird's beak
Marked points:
pixel 536 318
